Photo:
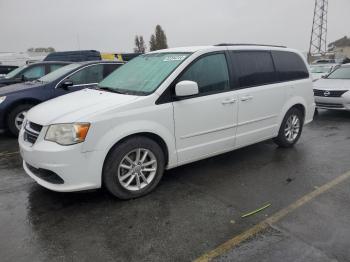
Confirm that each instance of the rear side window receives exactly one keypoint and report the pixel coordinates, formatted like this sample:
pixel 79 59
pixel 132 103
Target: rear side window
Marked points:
pixel 109 68
pixel 253 68
pixel 290 66
pixel 53 67
pixel 210 73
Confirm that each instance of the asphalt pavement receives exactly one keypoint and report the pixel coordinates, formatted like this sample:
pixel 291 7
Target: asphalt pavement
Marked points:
pixel 195 208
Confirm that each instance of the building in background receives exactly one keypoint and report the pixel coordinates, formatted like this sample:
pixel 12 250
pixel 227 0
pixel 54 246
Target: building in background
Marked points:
pixel 340 48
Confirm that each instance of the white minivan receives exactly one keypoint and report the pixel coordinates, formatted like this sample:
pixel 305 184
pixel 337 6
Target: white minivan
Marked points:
pixel 164 109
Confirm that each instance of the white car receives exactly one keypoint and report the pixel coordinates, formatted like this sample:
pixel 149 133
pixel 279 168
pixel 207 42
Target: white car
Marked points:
pixel 333 92
pixel 165 109
pixel 319 71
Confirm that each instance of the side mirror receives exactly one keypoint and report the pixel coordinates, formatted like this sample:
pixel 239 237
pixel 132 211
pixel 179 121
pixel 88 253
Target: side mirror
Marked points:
pixel 186 88
pixel 66 84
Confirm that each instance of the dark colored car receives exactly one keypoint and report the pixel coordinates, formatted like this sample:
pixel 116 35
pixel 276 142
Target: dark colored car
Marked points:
pixel 16 100
pixel 74 56
pixel 5 69
pixel 30 72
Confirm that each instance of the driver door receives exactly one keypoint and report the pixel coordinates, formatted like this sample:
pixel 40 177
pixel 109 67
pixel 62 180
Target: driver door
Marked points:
pixel 205 124
pixel 83 78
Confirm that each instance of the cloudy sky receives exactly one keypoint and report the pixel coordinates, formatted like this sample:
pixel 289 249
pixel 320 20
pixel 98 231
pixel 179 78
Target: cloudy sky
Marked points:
pixel 110 25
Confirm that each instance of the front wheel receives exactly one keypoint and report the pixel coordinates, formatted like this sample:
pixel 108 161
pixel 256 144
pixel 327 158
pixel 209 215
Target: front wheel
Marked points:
pixel 16 117
pixel 291 128
pixel 133 168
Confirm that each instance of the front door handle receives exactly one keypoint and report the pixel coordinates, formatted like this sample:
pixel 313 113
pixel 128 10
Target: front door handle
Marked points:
pixel 246 98
pixel 229 101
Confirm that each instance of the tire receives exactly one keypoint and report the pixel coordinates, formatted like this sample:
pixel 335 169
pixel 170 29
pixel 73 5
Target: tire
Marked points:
pixel 116 176
pixel 288 139
pixel 12 118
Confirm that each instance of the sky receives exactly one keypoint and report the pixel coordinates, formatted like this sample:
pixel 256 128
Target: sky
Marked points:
pixel 111 25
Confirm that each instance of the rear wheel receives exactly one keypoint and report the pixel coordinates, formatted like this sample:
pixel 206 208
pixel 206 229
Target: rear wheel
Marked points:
pixel 133 168
pixel 16 117
pixel 291 128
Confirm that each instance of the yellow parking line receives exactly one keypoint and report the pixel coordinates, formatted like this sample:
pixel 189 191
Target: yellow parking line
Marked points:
pixel 228 245
pixel 8 153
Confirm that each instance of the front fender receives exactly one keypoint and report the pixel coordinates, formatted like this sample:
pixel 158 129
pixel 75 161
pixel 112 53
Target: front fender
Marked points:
pixel 119 132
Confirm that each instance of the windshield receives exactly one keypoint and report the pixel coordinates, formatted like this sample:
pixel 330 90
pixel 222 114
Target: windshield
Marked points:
pixel 58 73
pixel 15 72
pixel 143 74
pixel 320 69
pixel 340 73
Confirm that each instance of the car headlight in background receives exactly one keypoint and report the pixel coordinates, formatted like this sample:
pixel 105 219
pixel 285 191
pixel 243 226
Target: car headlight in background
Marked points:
pixel 67 134
pixel 2 99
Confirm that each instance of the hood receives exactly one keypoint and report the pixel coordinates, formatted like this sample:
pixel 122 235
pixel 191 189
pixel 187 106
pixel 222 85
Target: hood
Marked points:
pixel 5 81
pixel 7 90
pixel 332 84
pixel 318 75
pixel 72 107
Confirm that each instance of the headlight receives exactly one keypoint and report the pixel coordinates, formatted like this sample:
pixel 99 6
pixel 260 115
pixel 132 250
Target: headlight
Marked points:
pixel 67 134
pixel 2 99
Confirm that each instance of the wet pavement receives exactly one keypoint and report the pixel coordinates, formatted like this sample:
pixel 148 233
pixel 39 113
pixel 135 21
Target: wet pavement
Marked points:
pixel 194 209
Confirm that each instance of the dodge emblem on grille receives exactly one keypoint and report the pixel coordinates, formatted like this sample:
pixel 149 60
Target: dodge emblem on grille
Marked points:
pixel 326 93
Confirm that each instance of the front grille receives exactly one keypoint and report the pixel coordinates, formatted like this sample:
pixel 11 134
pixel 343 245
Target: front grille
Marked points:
pixel 329 105
pixel 35 127
pixel 47 175
pixel 31 132
pixel 329 93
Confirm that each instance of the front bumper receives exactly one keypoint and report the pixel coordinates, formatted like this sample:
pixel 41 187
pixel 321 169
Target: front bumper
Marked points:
pixel 78 170
pixel 334 103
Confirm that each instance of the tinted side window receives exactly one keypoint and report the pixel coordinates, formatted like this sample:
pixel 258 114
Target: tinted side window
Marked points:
pixel 53 67
pixel 35 72
pixel 289 66
pixel 88 75
pixel 209 72
pixel 254 68
pixel 109 68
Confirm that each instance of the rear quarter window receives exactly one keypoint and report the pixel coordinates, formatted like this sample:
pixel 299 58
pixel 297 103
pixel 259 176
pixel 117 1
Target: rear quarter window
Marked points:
pixel 289 66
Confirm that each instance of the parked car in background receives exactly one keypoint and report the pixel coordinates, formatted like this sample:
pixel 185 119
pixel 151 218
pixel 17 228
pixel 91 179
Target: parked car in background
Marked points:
pixel 333 91
pixel 5 69
pixel 30 72
pixel 165 109
pixel 325 61
pixel 16 100
pixel 74 56
pixel 321 70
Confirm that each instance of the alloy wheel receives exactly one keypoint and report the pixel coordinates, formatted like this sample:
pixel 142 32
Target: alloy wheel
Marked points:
pixel 19 119
pixel 137 169
pixel 292 128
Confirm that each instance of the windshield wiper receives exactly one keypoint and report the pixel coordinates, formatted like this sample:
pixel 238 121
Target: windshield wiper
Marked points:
pixel 109 89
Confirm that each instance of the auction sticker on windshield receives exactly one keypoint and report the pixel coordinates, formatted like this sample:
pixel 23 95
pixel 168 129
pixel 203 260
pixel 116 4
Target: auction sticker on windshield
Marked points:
pixel 174 58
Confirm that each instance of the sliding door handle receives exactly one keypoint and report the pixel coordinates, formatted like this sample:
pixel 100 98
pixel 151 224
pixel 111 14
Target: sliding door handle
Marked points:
pixel 246 98
pixel 229 101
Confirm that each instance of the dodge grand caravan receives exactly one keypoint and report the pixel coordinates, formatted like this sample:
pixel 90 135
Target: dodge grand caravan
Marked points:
pixel 165 109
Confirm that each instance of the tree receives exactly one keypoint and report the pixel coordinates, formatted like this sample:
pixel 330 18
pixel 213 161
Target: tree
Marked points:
pixel 158 39
pixel 140 46
pixel 152 43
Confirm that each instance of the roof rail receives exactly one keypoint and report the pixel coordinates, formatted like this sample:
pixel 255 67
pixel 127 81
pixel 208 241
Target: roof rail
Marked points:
pixel 227 44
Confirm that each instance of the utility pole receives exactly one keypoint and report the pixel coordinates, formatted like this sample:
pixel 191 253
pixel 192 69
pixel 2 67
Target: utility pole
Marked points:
pixel 318 41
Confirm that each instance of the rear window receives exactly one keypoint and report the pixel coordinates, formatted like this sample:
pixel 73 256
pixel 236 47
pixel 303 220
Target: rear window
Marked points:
pixel 290 66
pixel 254 68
